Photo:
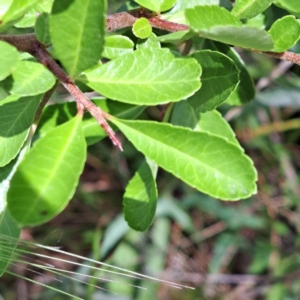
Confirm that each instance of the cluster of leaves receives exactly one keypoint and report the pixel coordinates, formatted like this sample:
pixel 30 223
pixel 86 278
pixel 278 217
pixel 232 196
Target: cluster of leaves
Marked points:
pixel 139 68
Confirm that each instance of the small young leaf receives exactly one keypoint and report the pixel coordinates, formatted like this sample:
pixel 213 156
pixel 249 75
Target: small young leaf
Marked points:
pixel 247 9
pixel 77 30
pixel 285 32
pixel 216 23
pixel 245 91
pixel 207 162
pixel 141 196
pixel 46 179
pixel 146 77
pixel 157 5
pixel 16 115
pixel 142 28
pixel 28 79
pixel 117 45
pixel 8 59
pixel 9 234
pixel 219 79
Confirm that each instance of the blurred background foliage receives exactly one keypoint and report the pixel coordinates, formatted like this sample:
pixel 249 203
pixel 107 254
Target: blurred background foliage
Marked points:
pixel 226 250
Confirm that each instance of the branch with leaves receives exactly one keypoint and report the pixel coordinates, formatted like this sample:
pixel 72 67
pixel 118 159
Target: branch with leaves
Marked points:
pixel 145 66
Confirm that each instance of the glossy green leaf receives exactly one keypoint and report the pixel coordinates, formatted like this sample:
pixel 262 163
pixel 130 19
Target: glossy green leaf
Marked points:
pixel 176 36
pixel 6 173
pixel 77 30
pixel 42 29
pixel 16 116
pixel 29 19
pixel 142 28
pixel 140 197
pixel 216 23
pixel 292 6
pixel 151 42
pixel 146 76
pixel 4 6
pixel 46 178
pixel 212 122
pixel 219 79
pixel 247 9
pixel 157 5
pixel 182 5
pixel 9 234
pixel 117 45
pixel 8 59
pixel 285 32
pixel 28 79
pixel 245 91
pixel 54 115
pixel 184 115
pixel 207 162
pixel 17 9
pixel 9 229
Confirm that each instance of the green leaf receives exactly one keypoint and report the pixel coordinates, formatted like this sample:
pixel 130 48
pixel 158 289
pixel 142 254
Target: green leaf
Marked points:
pixel 5 4
pixel 216 23
pixel 292 6
pixel 184 115
pixel 219 79
pixel 9 234
pixel 29 19
pixel 182 5
pixel 140 197
pixel 46 179
pixel 146 76
pixel 213 123
pixel 142 28
pixel 151 42
pixel 16 116
pixel 117 45
pixel 204 161
pixel 157 5
pixel 210 122
pixel 17 9
pixel 42 29
pixel 8 59
pixel 6 174
pixel 28 79
pixel 245 91
pixel 9 229
pixel 247 9
pixel 285 32
pixel 77 30
pixel 178 36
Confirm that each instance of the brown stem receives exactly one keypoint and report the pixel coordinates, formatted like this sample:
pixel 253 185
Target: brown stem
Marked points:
pixel 287 55
pixel 44 101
